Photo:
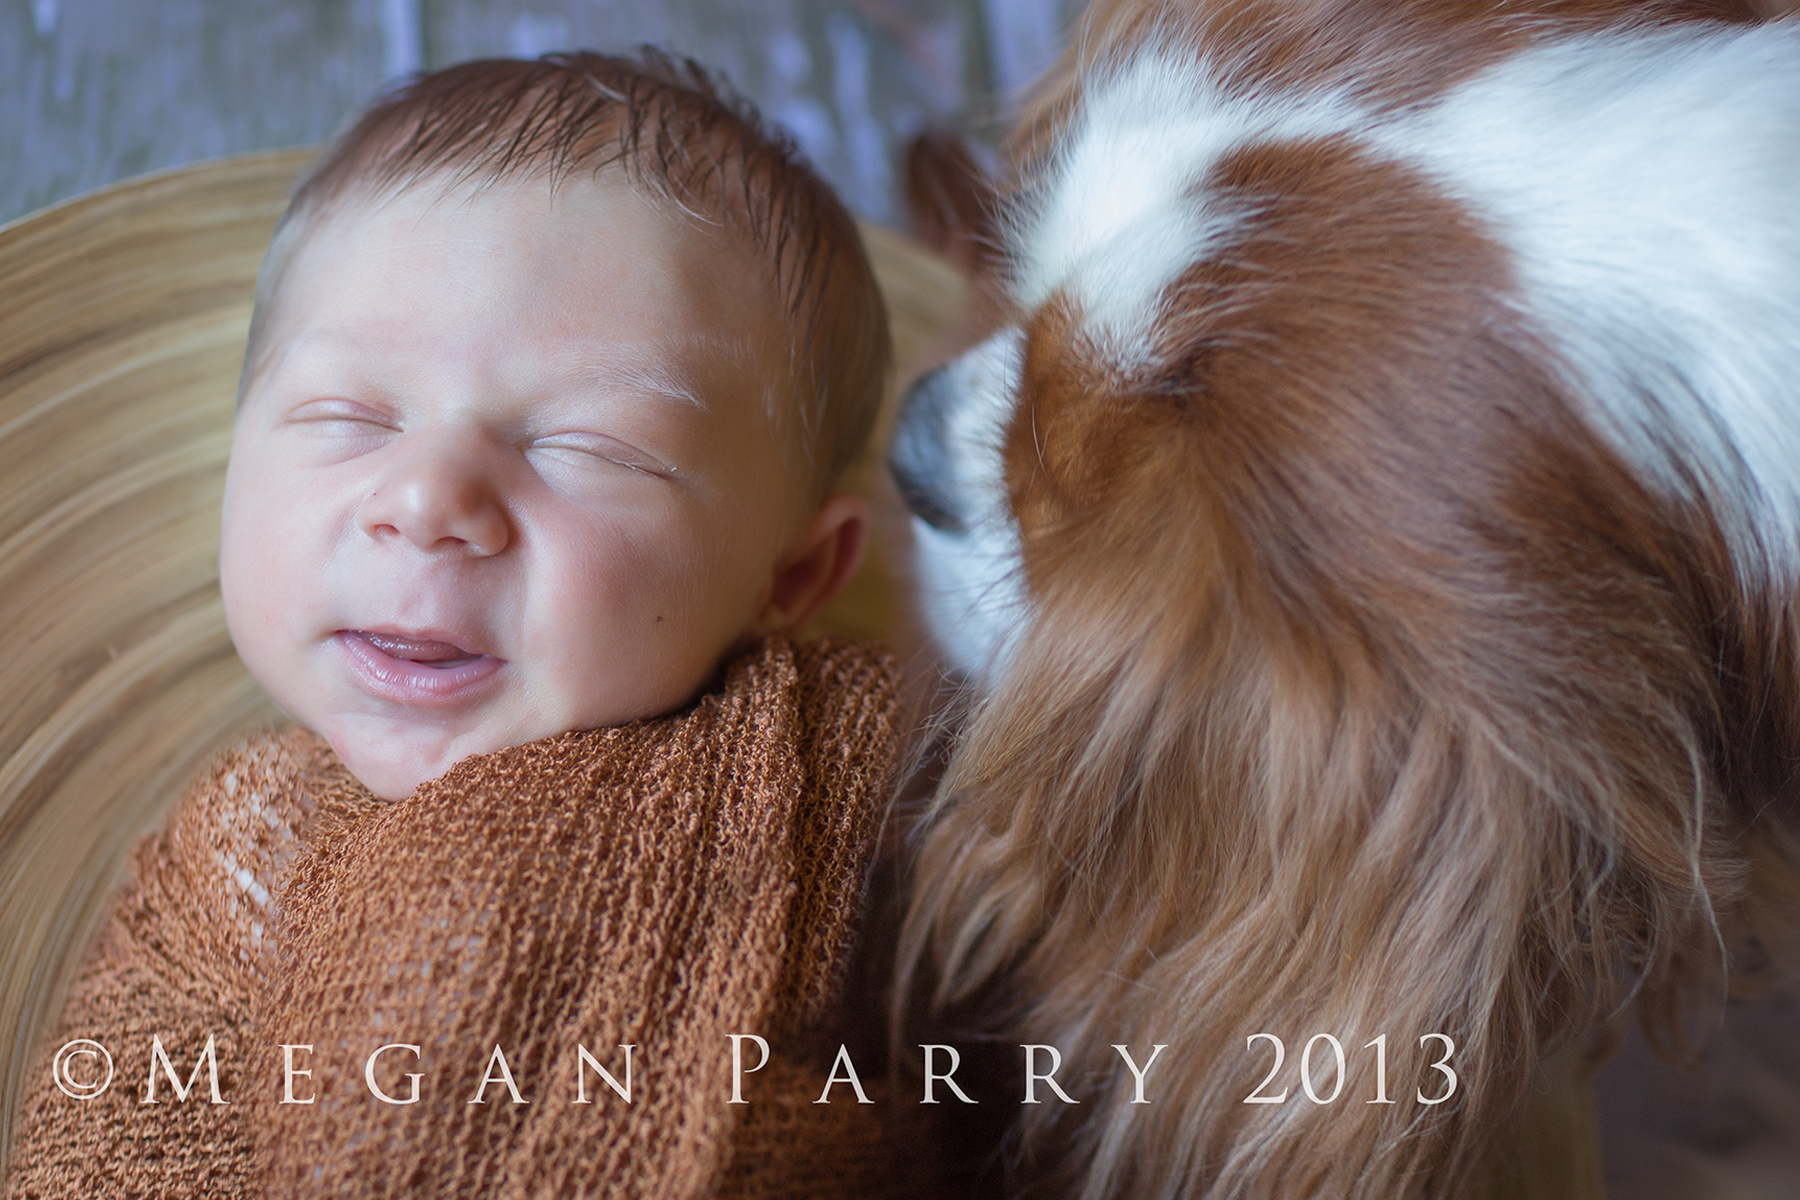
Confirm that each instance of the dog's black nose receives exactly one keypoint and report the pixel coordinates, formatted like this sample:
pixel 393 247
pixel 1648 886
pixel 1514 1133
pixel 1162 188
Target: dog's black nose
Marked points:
pixel 919 460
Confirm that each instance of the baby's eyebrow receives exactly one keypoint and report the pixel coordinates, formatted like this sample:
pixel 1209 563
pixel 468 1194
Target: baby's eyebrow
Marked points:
pixel 631 373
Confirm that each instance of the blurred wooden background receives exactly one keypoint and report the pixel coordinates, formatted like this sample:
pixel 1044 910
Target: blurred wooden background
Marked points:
pixel 93 91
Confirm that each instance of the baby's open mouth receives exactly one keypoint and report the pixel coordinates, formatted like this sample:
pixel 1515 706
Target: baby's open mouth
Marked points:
pixel 414 669
pixel 441 655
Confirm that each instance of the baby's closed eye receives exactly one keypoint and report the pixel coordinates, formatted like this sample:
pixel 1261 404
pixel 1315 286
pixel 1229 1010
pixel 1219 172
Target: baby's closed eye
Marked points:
pixel 341 415
pixel 585 450
pixel 341 428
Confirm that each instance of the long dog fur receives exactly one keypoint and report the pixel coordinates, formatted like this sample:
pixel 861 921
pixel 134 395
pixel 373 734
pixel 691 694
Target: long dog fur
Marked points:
pixel 1368 668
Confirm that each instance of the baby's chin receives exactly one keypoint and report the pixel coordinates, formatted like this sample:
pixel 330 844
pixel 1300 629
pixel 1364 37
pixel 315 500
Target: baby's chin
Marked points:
pixel 396 751
pixel 394 763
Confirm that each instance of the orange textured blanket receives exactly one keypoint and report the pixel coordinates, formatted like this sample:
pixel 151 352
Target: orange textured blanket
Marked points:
pixel 505 931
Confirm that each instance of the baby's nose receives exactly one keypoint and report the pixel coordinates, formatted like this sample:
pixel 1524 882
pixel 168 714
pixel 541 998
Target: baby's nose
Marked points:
pixel 439 502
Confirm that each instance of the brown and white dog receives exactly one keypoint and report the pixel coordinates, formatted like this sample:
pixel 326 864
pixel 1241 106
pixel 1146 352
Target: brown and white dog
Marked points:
pixel 1372 541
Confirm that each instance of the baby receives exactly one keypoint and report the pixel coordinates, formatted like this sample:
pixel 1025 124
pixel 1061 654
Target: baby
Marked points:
pixel 551 372
pixel 553 369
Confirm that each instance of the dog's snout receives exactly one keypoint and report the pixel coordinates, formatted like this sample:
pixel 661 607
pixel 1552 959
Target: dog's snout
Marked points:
pixel 920 459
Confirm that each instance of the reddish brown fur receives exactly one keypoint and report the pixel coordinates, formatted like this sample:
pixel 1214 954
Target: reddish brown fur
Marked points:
pixel 1369 691
pixel 1387 52
pixel 953 207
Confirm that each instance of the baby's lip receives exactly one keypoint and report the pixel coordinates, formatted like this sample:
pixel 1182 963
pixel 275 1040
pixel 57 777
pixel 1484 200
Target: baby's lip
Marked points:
pixel 431 649
pixel 416 667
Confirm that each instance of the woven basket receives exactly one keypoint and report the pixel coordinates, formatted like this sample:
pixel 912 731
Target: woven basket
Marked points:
pixel 122 324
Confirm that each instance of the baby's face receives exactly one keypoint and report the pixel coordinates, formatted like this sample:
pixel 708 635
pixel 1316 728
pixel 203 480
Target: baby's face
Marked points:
pixel 503 469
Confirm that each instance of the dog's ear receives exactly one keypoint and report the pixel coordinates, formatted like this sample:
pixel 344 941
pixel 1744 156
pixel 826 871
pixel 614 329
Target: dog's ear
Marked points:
pixel 951 201
pixel 954 207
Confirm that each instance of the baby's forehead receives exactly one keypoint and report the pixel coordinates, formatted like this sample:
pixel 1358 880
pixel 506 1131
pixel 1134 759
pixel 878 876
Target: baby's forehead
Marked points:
pixel 606 202
pixel 554 230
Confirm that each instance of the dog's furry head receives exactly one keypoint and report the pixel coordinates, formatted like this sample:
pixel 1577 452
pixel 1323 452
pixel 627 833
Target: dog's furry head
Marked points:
pixel 1349 657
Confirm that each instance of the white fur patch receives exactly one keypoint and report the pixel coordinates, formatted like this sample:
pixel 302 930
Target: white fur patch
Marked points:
pixel 1649 187
pixel 1119 213
pixel 1646 184
pixel 971 584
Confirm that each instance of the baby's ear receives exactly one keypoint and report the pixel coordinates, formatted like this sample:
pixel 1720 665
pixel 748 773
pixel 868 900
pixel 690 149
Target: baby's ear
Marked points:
pixel 816 565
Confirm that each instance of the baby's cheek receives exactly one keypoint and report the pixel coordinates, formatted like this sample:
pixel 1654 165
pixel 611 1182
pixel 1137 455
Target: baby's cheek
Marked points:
pixel 269 586
pixel 256 575
pixel 242 568
pixel 592 597
pixel 636 624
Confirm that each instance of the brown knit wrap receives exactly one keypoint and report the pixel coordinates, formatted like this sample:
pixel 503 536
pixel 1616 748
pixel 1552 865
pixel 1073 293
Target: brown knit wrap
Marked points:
pixel 660 885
